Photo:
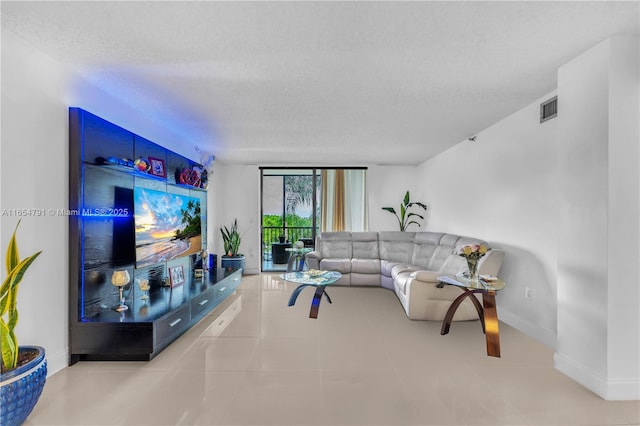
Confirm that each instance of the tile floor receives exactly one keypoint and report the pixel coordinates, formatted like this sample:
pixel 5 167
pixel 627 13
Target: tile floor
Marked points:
pixel 255 361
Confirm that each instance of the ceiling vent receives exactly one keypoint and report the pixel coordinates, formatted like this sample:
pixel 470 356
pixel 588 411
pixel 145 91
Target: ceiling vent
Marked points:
pixel 549 109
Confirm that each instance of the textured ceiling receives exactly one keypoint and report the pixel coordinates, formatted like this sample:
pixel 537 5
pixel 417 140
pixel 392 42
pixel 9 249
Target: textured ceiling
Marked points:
pixel 324 83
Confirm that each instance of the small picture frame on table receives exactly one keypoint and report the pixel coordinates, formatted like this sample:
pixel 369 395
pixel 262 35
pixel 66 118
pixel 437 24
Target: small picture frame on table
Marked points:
pixel 176 276
pixel 158 167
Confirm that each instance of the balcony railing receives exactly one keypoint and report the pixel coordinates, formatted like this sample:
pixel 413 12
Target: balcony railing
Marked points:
pixel 271 234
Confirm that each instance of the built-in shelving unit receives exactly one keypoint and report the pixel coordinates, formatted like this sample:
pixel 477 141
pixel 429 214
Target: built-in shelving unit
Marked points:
pixel 102 240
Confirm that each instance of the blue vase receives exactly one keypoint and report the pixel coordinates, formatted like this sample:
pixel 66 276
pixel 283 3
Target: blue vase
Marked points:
pixel 20 389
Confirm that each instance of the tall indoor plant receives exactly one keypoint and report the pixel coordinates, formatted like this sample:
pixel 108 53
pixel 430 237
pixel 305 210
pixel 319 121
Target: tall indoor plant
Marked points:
pixel 404 219
pixel 23 368
pixel 231 239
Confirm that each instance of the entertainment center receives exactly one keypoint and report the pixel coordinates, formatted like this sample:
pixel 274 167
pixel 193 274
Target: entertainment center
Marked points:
pixel 137 235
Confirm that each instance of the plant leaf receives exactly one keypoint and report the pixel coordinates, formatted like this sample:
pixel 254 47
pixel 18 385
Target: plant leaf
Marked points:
pixel 417 203
pixel 407 199
pixel 413 221
pixel 8 346
pixel 13 258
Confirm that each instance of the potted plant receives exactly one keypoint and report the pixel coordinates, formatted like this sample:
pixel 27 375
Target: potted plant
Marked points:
pixel 231 239
pixel 405 216
pixel 23 368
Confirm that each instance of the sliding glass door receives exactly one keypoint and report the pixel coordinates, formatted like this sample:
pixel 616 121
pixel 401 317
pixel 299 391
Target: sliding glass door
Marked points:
pixel 290 213
pixel 298 203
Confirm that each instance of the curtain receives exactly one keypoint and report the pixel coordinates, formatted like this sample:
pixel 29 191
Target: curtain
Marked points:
pixel 344 200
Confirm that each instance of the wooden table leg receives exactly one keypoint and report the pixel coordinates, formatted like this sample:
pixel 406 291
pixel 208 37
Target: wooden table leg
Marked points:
pixel 448 318
pixel 492 332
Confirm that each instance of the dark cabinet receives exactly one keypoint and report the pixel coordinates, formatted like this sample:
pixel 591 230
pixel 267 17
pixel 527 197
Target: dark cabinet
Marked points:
pixel 121 187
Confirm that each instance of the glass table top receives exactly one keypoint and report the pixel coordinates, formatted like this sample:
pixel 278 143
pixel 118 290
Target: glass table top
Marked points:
pixel 485 282
pixel 312 277
pixel 299 250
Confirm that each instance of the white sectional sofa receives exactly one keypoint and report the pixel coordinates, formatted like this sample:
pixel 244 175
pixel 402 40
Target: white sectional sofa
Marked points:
pixel 407 263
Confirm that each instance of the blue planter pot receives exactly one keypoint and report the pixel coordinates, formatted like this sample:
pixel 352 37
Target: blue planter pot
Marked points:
pixel 232 262
pixel 21 388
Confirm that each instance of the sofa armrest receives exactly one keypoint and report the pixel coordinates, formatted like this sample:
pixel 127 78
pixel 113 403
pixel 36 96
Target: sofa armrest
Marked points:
pixel 313 259
pixel 426 276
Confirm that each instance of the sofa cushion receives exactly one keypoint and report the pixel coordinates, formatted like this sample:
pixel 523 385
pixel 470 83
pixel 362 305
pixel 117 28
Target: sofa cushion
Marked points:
pixel 425 244
pixel 386 267
pixel 373 280
pixel 400 281
pixel 402 268
pixel 336 245
pixel 341 265
pixel 365 245
pixel 365 266
pixel 396 246
pixel 453 264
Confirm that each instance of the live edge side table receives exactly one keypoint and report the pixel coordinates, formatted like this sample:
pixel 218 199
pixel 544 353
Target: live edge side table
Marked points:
pixel 487 311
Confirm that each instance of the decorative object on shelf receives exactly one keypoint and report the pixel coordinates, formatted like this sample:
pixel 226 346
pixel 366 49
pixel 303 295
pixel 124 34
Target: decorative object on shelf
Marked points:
pixel 120 279
pixel 176 275
pixel 187 176
pixel 281 239
pixel 472 253
pixel 23 368
pixel 143 284
pixel 405 216
pixel 125 162
pixel 206 161
pixel 231 239
pixel 141 165
pixel 158 167
pixel 203 177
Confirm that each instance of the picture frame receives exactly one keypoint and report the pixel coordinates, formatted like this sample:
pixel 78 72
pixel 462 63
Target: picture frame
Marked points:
pixel 176 276
pixel 158 167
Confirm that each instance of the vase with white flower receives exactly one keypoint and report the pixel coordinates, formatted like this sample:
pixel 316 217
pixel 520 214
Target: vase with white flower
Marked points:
pixel 472 253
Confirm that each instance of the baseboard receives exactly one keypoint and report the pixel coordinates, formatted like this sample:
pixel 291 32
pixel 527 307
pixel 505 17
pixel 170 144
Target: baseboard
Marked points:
pixel 57 361
pixel 251 271
pixel 610 390
pixel 543 336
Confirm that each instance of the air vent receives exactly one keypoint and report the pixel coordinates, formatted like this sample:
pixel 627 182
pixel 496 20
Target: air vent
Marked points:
pixel 549 109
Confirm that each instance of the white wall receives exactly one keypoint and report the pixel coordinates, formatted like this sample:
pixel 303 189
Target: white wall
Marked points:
pixel 502 188
pixel 34 176
pixel 562 199
pixel 36 94
pixel 598 292
pixel 237 196
pixel 387 186
pixel 235 193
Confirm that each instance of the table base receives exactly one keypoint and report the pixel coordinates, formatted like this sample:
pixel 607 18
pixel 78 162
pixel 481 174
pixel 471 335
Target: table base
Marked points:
pixel 488 317
pixel 317 297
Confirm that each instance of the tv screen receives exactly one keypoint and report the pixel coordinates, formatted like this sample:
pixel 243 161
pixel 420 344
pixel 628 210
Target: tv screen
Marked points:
pixel 167 226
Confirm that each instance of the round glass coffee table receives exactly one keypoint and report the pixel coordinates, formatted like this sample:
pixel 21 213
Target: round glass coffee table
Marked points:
pixel 318 279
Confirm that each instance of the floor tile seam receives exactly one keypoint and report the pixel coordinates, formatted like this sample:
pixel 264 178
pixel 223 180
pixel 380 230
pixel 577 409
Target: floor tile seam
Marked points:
pixel 513 405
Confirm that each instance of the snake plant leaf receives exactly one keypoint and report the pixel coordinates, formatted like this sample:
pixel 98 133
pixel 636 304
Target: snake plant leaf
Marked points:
pixel 9 350
pixel 12 258
pixel 16 269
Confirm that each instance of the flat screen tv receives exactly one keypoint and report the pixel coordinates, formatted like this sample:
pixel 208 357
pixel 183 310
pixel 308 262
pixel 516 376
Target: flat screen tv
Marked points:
pixel 167 226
